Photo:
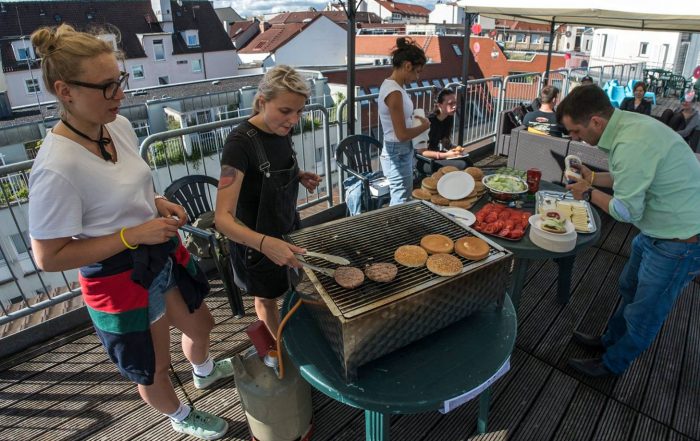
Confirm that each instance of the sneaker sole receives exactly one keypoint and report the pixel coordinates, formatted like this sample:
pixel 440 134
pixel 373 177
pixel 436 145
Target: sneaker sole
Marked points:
pixel 210 438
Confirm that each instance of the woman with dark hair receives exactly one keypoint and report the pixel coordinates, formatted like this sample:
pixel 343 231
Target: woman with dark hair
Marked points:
pixel 637 103
pixel 396 116
pixel 439 147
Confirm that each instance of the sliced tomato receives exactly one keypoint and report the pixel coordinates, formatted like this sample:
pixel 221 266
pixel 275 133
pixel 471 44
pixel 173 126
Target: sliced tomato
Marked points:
pixel 480 216
pixel 490 229
pixel 504 232
pixel 491 218
pixel 517 233
pixel 510 224
pixel 499 225
pixel 504 215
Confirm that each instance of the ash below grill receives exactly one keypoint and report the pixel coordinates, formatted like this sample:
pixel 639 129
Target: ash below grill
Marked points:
pixel 377 318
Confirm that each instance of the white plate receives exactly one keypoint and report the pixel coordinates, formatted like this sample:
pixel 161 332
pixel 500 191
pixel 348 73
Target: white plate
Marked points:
pixel 536 221
pixel 461 215
pixel 455 185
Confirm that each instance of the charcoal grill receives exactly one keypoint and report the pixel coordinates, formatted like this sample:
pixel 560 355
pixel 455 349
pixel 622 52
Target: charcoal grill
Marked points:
pixel 377 318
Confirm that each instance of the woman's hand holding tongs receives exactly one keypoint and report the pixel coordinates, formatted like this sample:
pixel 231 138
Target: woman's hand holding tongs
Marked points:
pixel 281 252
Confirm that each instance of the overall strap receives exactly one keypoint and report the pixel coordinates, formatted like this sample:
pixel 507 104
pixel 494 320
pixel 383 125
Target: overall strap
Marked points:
pixel 263 162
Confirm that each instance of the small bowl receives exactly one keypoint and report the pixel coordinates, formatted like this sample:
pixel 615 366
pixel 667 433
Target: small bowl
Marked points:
pixel 505 196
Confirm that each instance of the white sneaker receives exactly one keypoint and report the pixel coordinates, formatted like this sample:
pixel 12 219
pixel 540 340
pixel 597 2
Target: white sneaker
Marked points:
pixel 203 425
pixel 222 369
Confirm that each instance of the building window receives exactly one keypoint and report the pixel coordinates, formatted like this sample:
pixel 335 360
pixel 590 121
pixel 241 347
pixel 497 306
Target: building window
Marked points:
pixel 535 38
pixel 520 38
pixel 137 72
pixel 163 80
pixel 158 50
pixel 181 61
pixel 545 39
pixel 396 16
pixel 23 53
pixel 196 65
pixel 457 50
pixel 588 45
pixel 643 48
pixel 32 85
pixel 141 128
pixel 603 44
pixel 192 40
pixel 21 246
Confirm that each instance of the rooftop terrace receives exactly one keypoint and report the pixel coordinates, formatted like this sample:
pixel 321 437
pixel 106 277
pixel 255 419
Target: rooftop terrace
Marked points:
pixel 67 389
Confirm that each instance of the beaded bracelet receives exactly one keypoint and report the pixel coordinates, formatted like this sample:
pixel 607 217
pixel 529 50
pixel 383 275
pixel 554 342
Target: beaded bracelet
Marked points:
pixel 126 244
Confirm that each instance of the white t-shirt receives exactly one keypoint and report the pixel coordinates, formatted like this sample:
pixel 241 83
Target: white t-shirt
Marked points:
pixel 74 193
pixel 389 86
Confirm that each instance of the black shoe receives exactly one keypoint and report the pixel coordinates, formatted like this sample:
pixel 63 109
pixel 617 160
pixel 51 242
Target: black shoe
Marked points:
pixel 589 340
pixel 592 367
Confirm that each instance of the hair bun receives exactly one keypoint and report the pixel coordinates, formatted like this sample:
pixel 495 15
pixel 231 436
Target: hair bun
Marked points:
pixel 44 40
pixel 401 42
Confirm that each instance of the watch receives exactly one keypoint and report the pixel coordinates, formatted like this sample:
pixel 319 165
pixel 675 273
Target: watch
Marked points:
pixel 587 194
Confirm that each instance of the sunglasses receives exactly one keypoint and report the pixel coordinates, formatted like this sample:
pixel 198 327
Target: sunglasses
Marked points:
pixel 109 89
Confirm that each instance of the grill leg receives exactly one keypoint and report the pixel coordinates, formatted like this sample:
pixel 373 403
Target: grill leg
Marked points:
pixel 484 404
pixel 519 274
pixel 376 426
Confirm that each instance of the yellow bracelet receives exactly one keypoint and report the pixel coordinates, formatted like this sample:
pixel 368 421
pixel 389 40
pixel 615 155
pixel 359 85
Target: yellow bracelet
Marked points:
pixel 592 177
pixel 126 244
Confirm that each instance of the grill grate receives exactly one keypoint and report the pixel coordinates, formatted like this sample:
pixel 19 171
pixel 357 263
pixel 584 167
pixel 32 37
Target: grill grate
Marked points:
pixel 373 237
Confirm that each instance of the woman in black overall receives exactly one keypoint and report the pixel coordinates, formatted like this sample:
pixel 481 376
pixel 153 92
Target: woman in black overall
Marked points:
pixel 258 189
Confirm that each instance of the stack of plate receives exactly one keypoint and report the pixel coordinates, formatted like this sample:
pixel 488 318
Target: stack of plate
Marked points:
pixel 558 243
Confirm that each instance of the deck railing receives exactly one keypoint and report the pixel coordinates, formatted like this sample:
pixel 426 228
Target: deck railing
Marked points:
pixel 197 150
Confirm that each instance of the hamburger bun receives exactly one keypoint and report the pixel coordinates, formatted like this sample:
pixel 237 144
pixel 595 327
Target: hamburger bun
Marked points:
pixel 466 203
pixel 479 187
pixel 349 277
pixel 445 265
pixel 437 175
pixel 476 173
pixel 411 256
pixel 421 194
pixel 439 200
pixel 437 243
pixel 429 184
pixel 381 272
pixel 472 248
pixel 448 169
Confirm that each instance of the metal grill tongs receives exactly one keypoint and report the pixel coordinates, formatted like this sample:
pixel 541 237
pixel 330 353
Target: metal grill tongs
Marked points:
pixel 329 257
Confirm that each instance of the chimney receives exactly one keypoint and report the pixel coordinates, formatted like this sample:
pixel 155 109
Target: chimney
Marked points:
pixel 264 26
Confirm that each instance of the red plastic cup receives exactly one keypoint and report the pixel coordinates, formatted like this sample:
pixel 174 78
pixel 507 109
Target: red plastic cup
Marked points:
pixel 533 180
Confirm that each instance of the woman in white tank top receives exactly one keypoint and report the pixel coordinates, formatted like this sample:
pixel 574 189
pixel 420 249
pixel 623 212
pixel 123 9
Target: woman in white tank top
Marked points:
pixel 395 114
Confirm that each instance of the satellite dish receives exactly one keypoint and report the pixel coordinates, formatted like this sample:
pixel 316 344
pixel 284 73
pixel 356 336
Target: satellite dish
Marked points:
pixel 568 33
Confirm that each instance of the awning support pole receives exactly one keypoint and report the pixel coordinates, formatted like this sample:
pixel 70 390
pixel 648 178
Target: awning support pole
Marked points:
pixel 545 80
pixel 465 76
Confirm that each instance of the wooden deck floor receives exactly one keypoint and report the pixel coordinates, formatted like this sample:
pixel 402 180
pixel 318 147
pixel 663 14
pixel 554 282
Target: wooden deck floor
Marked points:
pixel 67 389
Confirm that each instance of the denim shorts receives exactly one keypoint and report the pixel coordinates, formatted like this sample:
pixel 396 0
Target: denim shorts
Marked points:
pixel 163 283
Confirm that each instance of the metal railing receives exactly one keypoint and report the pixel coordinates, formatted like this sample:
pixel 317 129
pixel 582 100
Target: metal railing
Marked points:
pixel 197 150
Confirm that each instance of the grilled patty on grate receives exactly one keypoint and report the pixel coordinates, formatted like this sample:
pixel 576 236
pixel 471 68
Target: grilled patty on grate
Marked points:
pixel 349 277
pixel 444 265
pixel 437 243
pixel 411 255
pixel 382 272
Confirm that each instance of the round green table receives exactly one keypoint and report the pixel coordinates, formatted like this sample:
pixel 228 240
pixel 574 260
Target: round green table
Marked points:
pixel 524 251
pixel 441 367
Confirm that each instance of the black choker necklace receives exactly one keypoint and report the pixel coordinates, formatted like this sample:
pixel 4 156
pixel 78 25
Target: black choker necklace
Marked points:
pixel 101 142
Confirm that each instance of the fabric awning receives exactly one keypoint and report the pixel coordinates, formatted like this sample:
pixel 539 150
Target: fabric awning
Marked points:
pixel 644 15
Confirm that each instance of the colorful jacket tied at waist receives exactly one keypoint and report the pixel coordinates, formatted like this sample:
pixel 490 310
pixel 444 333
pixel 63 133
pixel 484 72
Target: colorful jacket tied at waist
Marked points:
pixel 116 294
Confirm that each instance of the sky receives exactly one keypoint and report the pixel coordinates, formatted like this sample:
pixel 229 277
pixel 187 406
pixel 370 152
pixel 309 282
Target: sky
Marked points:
pixel 249 8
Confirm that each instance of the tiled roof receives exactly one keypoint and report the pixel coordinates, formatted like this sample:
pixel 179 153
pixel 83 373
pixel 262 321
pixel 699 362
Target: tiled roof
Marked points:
pixel 405 8
pixel 336 16
pixel 276 36
pixel 131 17
pixel 239 27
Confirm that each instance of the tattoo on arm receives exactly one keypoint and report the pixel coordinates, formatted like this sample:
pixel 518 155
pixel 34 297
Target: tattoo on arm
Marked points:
pixel 228 176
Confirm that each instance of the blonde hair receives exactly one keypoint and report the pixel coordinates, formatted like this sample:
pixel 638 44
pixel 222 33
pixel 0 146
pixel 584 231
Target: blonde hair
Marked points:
pixel 62 49
pixel 278 80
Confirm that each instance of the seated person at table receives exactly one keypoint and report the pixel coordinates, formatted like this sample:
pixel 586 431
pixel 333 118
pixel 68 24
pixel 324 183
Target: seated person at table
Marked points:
pixel 440 148
pixel 543 121
pixel 685 119
pixel 637 103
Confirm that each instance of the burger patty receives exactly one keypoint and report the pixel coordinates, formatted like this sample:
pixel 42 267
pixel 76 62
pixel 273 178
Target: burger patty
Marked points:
pixel 349 277
pixel 381 272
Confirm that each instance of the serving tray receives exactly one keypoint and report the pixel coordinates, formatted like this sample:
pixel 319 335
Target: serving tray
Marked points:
pixel 543 195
